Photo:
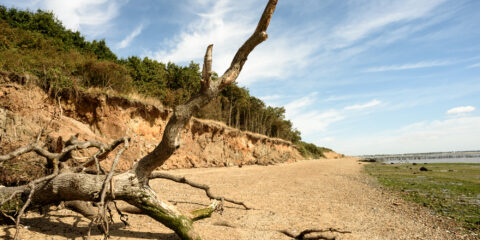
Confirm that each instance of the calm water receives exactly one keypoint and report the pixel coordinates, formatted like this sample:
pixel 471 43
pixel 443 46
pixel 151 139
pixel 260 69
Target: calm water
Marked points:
pixel 438 160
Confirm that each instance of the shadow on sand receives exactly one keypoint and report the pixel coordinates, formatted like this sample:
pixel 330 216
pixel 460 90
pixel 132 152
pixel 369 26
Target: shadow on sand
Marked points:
pixel 57 227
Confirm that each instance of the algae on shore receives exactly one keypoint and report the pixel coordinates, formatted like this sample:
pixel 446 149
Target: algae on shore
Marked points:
pixel 449 189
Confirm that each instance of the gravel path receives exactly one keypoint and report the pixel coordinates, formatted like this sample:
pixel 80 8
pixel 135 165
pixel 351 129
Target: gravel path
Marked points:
pixel 318 194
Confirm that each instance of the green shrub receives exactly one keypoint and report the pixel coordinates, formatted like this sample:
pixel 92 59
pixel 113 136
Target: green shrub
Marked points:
pixel 106 74
pixel 310 150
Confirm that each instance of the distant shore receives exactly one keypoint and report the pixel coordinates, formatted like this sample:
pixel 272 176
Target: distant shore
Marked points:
pixel 431 157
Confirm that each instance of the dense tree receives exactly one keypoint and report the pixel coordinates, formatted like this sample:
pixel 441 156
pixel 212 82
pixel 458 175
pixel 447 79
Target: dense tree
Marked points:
pixel 132 186
pixel 40 44
pixel 47 24
pixel 149 76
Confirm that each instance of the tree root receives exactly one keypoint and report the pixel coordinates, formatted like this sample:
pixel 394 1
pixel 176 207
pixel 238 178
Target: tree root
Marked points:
pixel 132 186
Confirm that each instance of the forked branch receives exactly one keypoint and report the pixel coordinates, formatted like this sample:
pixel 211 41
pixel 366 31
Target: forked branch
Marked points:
pixel 194 184
pixel 132 186
pixel 210 89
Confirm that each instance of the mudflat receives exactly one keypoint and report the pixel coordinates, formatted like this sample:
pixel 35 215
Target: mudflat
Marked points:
pixel 315 194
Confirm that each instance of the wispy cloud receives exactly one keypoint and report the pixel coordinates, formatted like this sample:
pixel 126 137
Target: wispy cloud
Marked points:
pixel 370 104
pixel 227 24
pixel 273 100
pixel 296 106
pixel 410 66
pixel 460 110
pixel 270 97
pixel 128 39
pixel 311 122
pixel 476 65
pixel 217 25
pixel 376 15
pixel 91 17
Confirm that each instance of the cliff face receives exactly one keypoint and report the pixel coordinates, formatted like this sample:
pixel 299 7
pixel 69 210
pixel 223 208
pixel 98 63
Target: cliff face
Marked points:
pixel 26 109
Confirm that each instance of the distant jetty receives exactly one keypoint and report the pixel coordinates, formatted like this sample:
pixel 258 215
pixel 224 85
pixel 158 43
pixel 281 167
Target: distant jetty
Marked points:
pixel 420 156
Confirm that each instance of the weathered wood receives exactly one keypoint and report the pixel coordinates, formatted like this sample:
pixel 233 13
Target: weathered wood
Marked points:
pixel 194 184
pixel 210 89
pixel 132 186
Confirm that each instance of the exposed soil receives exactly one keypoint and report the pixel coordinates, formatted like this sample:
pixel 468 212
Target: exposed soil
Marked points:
pixel 332 193
pixel 26 109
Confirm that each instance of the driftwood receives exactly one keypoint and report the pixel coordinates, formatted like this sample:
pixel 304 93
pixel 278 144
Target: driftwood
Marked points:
pixel 77 185
pixel 303 235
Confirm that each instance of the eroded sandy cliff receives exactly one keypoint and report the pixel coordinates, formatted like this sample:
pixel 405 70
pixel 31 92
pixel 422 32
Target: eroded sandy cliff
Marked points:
pixel 25 109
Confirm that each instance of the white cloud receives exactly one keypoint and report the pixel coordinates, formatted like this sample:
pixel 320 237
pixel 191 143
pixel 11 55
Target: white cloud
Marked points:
pixel 311 122
pixel 91 17
pixel 128 39
pixel 429 136
pixel 370 104
pixel 288 52
pixel 227 24
pixel 460 110
pixel 410 66
pixel 270 97
pixel 273 100
pixel 220 25
pixel 476 65
pixel 296 106
pixel 278 58
pixel 373 16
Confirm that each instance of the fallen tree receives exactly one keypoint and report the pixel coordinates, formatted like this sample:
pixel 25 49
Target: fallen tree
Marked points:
pixel 82 184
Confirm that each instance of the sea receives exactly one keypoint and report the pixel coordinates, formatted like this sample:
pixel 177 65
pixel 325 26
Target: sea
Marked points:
pixel 437 160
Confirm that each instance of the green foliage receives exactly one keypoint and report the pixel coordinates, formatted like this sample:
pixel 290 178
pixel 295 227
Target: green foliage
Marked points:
pixel 172 84
pixel 106 74
pixel 63 60
pixel 310 150
pixel 148 76
pixel 448 189
pixel 48 25
pixel 182 83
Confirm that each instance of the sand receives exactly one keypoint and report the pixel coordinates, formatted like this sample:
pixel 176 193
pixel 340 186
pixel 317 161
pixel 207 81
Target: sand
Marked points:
pixel 333 193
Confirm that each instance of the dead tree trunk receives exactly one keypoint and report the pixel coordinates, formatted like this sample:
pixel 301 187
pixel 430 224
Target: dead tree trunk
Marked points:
pixel 132 186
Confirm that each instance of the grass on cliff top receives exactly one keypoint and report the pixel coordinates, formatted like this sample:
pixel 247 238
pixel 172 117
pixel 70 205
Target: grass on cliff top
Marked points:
pixel 449 189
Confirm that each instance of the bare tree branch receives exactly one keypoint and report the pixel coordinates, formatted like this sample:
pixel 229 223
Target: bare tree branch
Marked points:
pixel 102 206
pixel 12 195
pixel 30 195
pixel 132 186
pixel 204 187
pixel 103 152
pixel 19 151
pixel 257 37
pixel 182 114
pixel 75 145
pixel 207 69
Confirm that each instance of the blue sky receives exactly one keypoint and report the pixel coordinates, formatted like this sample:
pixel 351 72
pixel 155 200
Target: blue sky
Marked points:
pixel 360 77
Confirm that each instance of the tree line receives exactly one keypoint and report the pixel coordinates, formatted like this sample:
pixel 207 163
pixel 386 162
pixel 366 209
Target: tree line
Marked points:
pixel 37 42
